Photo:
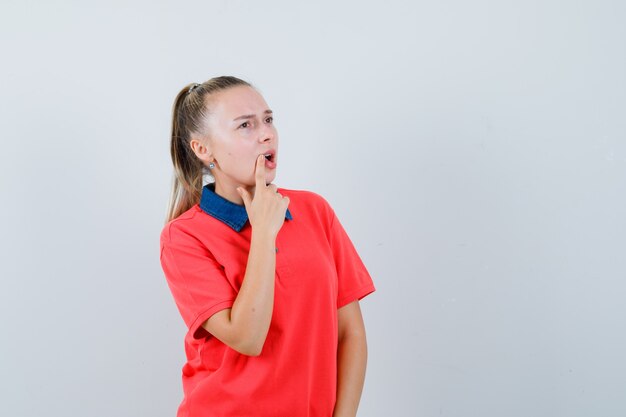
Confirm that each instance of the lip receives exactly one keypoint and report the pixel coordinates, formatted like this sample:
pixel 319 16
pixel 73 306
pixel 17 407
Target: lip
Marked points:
pixel 271 164
pixel 271 152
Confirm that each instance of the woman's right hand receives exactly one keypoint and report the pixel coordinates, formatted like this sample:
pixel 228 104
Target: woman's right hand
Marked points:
pixel 266 210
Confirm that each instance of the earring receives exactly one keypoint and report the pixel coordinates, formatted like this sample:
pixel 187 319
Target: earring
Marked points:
pixel 211 165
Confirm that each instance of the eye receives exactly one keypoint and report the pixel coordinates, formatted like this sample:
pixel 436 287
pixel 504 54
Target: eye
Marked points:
pixel 244 123
pixel 271 119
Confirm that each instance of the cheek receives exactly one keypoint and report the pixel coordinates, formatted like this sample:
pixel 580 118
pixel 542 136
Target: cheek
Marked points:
pixel 241 164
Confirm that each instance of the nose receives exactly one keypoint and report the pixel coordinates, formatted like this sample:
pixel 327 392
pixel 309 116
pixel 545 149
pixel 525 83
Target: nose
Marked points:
pixel 267 135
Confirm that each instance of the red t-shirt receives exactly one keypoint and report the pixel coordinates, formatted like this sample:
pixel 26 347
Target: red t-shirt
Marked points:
pixel 204 255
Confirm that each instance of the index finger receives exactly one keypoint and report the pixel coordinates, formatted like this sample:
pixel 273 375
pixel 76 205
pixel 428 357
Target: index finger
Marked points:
pixel 259 172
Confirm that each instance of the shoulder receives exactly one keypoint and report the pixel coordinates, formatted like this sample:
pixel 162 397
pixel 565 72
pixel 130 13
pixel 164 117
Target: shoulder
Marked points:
pixel 305 196
pixel 181 226
pixel 310 203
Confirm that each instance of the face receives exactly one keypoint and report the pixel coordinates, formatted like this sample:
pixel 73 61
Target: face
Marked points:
pixel 241 128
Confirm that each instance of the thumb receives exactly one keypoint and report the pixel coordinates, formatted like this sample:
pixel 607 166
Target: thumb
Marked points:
pixel 245 195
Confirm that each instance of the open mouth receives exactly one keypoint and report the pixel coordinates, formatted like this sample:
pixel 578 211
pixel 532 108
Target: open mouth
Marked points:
pixel 269 157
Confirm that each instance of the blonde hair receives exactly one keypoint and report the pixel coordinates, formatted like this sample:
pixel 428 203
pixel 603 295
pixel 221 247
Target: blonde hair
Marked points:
pixel 189 115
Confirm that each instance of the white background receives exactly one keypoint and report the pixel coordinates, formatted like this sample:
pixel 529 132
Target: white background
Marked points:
pixel 474 151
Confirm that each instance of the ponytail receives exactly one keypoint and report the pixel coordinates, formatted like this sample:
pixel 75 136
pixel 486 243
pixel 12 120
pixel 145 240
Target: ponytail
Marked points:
pixel 189 117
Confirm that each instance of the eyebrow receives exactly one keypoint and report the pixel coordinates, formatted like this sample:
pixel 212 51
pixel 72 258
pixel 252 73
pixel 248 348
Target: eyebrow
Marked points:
pixel 250 116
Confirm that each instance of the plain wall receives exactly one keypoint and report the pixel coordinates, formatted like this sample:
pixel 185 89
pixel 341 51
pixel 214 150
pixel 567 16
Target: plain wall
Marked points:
pixel 474 151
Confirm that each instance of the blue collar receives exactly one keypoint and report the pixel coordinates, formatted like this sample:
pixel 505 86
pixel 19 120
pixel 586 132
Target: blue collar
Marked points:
pixel 232 214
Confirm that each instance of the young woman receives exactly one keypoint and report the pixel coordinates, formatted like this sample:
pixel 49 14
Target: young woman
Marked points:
pixel 265 278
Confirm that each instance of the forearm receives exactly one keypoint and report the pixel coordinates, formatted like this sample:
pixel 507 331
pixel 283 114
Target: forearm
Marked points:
pixel 351 364
pixel 252 310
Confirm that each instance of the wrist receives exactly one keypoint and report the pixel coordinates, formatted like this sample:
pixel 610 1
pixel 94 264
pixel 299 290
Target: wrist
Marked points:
pixel 264 237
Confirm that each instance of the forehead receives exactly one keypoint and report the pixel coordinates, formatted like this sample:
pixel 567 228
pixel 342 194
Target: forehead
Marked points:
pixel 237 101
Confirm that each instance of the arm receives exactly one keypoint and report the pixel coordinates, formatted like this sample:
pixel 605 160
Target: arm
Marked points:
pixel 244 327
pixel 351 360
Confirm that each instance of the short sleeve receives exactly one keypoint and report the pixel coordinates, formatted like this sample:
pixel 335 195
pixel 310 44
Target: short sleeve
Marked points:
pixel 354 281
pixel 197 281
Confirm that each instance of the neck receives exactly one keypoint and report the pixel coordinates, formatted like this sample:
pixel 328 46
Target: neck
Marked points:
pixel 229 192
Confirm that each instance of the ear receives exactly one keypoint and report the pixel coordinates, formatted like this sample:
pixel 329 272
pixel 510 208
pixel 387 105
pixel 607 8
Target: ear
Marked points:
pixel 202 148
